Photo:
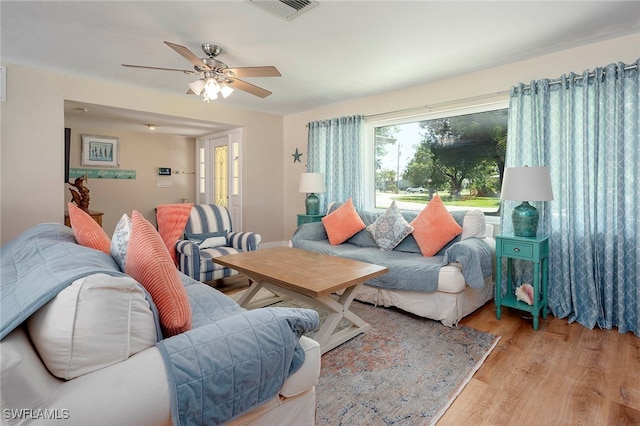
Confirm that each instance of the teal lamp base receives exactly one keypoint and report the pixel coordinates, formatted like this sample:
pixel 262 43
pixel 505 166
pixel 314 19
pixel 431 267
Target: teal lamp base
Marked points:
pixel 312 204
pixel 525 220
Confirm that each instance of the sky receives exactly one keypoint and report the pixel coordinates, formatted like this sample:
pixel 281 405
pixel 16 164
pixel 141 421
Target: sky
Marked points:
pixel 407 139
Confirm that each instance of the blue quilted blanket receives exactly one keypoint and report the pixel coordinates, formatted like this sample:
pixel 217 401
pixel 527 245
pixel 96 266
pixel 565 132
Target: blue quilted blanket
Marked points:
pixel 38 264
pixel 231 361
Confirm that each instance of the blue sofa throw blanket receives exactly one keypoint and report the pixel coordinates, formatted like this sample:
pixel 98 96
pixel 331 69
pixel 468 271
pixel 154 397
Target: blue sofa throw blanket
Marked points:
pixel 408 268
pixel 231 361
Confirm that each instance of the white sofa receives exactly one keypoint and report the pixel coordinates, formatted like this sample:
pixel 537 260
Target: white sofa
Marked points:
pixel 92 373
pixel 132 392
pixel 451 300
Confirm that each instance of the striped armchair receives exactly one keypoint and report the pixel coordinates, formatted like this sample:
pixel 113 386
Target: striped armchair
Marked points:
pixel 209 234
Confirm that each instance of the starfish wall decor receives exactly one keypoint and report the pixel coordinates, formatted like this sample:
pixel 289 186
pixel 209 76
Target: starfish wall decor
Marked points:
pixel 296 156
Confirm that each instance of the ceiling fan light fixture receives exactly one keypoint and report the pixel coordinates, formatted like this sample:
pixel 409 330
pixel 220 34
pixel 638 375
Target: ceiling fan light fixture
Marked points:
pixel 217 78
pixel 197 86
pixel 225 90
pixel 208 98
pixel 211 88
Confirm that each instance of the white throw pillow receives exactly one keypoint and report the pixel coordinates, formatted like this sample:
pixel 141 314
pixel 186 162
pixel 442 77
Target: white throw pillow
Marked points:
pixel 97 321
pixel 213 242
pixel 120 241
pixel 473 225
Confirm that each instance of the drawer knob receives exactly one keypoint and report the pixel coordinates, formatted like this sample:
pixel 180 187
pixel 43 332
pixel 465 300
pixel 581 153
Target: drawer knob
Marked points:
pixel 516 249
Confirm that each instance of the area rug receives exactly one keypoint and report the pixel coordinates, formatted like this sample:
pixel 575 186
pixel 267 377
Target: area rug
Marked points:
pixel 406 370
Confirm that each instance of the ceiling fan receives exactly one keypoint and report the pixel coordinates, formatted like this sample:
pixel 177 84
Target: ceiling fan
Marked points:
pixel 217 77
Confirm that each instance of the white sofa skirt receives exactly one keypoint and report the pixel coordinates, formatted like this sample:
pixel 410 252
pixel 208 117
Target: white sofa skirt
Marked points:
pixel 442 305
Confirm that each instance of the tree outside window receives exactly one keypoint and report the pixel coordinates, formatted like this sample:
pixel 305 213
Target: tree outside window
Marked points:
pixel 459 157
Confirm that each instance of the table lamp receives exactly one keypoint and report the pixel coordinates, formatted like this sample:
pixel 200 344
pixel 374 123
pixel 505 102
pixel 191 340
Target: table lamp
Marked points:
pixel 526 184
pixel 312 184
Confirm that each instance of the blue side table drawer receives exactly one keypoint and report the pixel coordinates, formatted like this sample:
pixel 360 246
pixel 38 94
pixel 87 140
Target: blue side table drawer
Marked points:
pixel 517 249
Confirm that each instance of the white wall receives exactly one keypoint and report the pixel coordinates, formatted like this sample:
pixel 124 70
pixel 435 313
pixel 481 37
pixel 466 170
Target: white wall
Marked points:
pixel 32 148
pixel 143 152
pixel 32 139
pixel 490 81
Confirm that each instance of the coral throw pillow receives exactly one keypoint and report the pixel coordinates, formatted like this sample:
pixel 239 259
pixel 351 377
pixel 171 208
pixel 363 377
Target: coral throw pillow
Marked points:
pixel 343 223
pixel 434 227
pixel 148 262
pixel 87 231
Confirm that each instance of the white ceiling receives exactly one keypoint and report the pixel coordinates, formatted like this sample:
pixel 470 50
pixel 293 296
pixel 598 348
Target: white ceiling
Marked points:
pixel 336 51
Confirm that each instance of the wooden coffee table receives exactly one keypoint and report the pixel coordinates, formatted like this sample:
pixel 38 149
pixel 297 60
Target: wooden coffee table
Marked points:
pixel 311 277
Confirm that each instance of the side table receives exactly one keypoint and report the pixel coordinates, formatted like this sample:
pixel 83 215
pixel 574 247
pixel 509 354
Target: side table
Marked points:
pixel 309 218
pixel 535 250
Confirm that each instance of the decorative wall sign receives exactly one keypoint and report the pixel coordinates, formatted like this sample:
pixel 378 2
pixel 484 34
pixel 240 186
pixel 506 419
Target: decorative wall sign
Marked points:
pixel 102 173
pixel 100 151
pixel 296 156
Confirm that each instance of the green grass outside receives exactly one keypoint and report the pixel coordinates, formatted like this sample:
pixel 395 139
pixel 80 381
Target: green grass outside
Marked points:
pixel 462 201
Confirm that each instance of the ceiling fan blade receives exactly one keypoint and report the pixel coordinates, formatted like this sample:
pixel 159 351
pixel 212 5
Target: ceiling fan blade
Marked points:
pixel 190 72
pixel 268 71
pixel 248 87
pixel 188 55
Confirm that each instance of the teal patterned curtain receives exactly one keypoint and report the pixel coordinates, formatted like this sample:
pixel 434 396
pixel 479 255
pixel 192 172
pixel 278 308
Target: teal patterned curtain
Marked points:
pixel 335 148
pixel 586 129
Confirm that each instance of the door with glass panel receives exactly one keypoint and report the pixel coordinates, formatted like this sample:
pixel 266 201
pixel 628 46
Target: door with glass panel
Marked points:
pixel 218 179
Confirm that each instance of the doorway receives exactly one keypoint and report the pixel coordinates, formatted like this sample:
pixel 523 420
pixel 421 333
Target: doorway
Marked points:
pixel 219 172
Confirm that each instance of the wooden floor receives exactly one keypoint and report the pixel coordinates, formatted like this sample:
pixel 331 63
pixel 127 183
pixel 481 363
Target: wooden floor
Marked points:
pixel 562 374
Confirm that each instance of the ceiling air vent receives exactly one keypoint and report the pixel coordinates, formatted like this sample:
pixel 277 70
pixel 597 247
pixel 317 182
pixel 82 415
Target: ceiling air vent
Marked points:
pixel 285 9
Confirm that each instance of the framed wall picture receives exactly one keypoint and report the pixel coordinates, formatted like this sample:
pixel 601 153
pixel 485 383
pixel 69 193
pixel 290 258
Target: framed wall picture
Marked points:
pixel 100 151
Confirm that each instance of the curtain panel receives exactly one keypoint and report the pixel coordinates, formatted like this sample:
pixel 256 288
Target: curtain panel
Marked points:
pixel 335 148
pixel 586 129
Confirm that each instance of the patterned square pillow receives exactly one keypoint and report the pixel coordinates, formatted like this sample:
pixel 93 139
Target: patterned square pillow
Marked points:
pixel 87 231
pixel 434 227
pixel 148 262
pixel 390 228
pixel 120 241
pixel 342 223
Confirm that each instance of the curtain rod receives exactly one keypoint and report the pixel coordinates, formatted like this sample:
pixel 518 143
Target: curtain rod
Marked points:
pixel 590 75
pixel 475 98
pixel 439 104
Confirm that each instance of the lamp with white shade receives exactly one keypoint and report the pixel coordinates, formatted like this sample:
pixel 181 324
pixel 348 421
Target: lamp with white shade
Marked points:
pixel 526 184
pixel 312 183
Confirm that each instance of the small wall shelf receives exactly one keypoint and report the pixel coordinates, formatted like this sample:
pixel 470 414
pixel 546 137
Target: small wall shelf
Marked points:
pixel 102 173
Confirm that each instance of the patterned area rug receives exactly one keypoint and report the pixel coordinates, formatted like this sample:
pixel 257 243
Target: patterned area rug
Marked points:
pixel 406 370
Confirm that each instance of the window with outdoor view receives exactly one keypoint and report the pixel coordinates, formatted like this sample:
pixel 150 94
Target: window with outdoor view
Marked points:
pixel 460 157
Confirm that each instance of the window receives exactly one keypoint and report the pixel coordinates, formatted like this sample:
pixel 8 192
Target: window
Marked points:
pixel 459 156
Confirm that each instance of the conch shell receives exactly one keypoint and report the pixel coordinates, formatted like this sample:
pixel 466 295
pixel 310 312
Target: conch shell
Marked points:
pixel 525 293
